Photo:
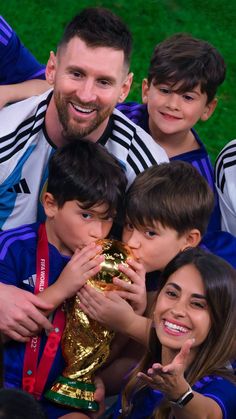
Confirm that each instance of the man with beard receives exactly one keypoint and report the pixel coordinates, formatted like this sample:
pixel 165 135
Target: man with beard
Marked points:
pixel 90 74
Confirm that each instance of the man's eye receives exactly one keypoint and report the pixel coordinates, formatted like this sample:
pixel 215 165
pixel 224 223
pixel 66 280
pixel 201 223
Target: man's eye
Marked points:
pixel 104 83
pixel 77 74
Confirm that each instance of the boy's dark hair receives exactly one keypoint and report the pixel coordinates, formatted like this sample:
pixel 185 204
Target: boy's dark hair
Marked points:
pixel 188 61
pixel 174 194
pixel 99 27
pixel 85 171
pixel 17 404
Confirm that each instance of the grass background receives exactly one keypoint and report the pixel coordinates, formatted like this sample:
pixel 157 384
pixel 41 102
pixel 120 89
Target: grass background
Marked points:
pixel 40 24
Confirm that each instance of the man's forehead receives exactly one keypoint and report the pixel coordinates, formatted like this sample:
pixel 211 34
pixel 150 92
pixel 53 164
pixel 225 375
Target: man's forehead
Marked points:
pixel 100 62
pixel 77 47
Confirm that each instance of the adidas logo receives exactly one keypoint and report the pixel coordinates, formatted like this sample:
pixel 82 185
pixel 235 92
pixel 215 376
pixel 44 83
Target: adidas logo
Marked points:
pixel 30 281
pixel 20 187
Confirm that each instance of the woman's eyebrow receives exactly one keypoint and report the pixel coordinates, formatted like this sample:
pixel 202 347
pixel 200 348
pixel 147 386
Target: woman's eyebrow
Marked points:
pixel 195 295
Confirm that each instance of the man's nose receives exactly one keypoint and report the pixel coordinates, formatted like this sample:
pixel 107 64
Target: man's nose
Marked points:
pixel 86 91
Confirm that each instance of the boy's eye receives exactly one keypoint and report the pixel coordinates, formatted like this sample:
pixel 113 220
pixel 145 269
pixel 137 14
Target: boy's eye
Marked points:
pixel 164 90
pixel 86 215
pixel 129 226
pixel 188 98
pixel 150 233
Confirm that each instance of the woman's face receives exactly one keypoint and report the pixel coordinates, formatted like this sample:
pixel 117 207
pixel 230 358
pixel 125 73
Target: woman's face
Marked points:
pixel 181 309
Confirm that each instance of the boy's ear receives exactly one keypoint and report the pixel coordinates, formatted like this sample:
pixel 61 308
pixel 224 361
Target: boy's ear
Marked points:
pixel 51 68
pixel 49 204
pixel 126 87
pixel 192 239
pixel 209 109
pixel 145 89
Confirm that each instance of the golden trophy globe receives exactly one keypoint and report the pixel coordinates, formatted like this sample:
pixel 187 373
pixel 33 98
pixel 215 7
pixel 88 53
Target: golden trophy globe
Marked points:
pixel 85 342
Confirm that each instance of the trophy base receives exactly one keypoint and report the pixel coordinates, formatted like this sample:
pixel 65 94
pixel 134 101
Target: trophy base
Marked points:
pixel 73 393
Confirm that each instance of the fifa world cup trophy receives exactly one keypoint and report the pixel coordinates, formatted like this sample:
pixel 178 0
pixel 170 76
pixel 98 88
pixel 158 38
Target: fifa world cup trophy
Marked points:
pixel 85 342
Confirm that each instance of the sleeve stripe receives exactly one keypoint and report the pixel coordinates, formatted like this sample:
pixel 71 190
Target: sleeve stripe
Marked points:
pixel 16 140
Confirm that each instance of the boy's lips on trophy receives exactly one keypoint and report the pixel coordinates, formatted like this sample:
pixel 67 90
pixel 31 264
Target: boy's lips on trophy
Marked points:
pixel 115 253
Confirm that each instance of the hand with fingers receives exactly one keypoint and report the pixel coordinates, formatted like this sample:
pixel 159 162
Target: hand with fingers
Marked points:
pixel 83 264
pixel 107 307
pixel 110 309
pixel 134 292
pixel 169 379
pixel 21 313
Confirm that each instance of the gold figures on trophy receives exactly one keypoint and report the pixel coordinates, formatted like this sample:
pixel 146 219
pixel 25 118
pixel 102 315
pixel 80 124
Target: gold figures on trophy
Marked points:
pixel 85 342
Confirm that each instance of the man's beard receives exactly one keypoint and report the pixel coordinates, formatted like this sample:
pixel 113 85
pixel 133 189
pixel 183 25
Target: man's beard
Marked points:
pixel 72 131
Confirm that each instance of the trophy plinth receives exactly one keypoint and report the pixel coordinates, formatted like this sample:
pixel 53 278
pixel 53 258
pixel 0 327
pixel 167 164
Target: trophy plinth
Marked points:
pixel 73 393
pixel 85 342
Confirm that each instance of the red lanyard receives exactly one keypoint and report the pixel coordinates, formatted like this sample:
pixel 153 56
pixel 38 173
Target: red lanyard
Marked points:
pixel 35 375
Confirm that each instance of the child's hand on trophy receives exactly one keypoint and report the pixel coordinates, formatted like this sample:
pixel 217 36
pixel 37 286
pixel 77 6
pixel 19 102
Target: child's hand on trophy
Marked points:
pixel 83 264
pixel 107 307
pixel 114 312
pixel 134 290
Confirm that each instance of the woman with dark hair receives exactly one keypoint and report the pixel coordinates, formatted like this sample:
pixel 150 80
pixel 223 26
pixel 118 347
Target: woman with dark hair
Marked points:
pixel 186 372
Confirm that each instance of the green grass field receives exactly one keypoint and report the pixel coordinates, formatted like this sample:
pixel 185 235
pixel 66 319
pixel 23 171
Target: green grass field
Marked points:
pixel 40 24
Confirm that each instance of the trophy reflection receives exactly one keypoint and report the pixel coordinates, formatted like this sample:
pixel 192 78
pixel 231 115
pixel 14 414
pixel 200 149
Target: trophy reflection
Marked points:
pixel 85 342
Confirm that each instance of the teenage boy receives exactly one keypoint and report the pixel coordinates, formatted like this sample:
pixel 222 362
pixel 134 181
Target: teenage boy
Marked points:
pixel 90 74
pixel 56 258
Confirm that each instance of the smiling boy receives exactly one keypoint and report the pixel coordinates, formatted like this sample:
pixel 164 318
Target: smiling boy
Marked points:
pixel 183 77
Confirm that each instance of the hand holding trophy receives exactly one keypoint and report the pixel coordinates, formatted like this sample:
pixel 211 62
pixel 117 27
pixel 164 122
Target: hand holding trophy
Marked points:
pixel 85 342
